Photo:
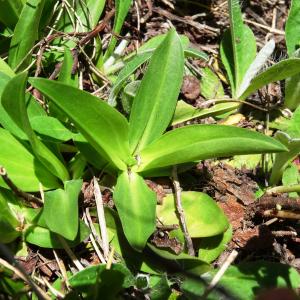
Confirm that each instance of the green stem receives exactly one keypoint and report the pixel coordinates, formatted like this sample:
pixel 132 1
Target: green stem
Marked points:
pixel 284 189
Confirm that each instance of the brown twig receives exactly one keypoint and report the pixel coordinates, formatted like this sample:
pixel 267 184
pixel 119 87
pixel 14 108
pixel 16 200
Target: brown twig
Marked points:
pixel 89 36
pixel 18 192
pixel 180 212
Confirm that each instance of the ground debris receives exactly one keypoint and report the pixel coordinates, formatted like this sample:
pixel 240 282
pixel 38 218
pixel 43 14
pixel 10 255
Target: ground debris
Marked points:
pixel 226 181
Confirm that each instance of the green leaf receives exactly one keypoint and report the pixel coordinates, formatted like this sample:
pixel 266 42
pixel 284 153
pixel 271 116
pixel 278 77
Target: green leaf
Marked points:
pixel 126 71
pixel 92 156
pixel 195 53
pixel 101 125
pixel 92 276
pixel 291 176
pixel 122 8
pixel 292 28
pixel 61 209
pixel 284 69
pixel 44 238
pixel 51 129
pixel 198 142
pixel 155 101
pixel 65 74
pixel 199 210
pixel 293 125
pixel 23 169
pixel 185 112
pixel 211 86
pixel 246 280
pixel 10 11
pixel 13 100
pixel 182 262
pixel 212 247
pixel 25 34
pixel 282 159
pixel 292 89
pixel 135 203
pixel 142 54
pixel 4 67
pixel 8 221
pixel 238 47
pixel 258 63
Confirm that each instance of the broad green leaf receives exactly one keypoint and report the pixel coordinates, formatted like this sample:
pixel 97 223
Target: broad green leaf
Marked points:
pixel 50 129
pixel 185 112
pixel 291 176
pixel 92 275
pixel 23 168
pixel 122 8
pixel 5 68
pixel 159 287
pixel 5 120
pixel 92 156
pixel 292 28
pixel 293 125
pixel 212 247
pixel 13 101
pixel 244 281
pixel 8 221
pixel 258 63
pixel 182 262
pixel 61 209
pixel 199 210
pixel 101 125
pixel 25 34
pixel 282 159
pixel 282 70
pixel 10 11
pixel 198 142
pixel 155 101
pixel 135 203
pixel 238 47
pixel 211 86
pixel 44 238
pixel 292 88
pixel 143 54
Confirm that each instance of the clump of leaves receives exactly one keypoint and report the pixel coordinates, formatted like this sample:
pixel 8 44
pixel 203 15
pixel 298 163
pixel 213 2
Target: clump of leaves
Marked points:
pixel 140 147
pixel 238 54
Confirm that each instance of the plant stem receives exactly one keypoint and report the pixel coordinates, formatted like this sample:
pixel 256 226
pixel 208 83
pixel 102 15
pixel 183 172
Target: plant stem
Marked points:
pixel 180 212
pixel 284 189
pixel 101 218
pixel 28 197
pixel 229 260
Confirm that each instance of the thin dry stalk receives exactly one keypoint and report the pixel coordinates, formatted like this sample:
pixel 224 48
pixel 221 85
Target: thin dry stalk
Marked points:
pixel 98 252
pixel 28 197
pixel 71 254
pixel 229 260
pixel 62 269
pixel 101 217
pixel 180 212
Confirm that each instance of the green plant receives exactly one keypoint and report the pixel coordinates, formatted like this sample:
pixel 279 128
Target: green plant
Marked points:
pixel 292 37
pixel 137 148
pixel 290 137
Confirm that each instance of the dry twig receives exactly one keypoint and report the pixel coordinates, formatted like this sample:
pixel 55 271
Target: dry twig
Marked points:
pixel 180 212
